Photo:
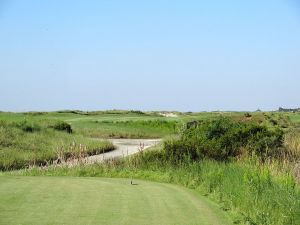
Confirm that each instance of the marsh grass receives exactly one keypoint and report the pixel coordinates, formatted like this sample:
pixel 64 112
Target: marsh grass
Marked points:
pixel 21 148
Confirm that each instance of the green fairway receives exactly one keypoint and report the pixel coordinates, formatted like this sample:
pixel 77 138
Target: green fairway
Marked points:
pixel 71 200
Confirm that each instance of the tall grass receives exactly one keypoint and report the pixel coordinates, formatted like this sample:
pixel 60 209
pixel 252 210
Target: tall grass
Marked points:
pixel 21 147
pixel 292 144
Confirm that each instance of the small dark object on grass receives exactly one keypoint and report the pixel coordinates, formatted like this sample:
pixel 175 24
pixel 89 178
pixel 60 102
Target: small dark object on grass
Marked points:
pixel 131 182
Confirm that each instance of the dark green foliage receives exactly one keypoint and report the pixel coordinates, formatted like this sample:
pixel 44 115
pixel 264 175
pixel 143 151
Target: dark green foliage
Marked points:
pixel 62 126
pixel 273 122
pixel 137 112
pixel 248 115
pixel 224 138
pixel 264 142
pixel 35 113
pixel 26 126
pixel 149 123
pixel 193 123
pixel 79 112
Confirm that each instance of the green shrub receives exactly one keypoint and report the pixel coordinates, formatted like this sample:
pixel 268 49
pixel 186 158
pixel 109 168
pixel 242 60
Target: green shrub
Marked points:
pixel 177 150
pixel 62 126
pixel 27 126
pixel 137 112
pixel 224 138
pixel 35 113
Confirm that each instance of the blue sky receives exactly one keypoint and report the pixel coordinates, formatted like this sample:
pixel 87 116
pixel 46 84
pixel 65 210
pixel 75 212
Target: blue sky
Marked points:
pixel 149 55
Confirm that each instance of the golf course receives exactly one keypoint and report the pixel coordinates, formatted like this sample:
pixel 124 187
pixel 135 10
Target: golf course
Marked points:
pixel 133 167
pixel 156 112
pixel 73 200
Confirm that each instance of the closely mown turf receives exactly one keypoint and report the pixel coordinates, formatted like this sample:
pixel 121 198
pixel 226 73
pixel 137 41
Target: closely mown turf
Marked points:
pixel 70 200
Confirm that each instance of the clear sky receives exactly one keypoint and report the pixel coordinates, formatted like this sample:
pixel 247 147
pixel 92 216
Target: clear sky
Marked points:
pixel 150 55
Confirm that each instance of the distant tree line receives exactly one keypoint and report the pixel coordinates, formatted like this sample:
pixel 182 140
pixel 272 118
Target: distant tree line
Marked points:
pixel 288 110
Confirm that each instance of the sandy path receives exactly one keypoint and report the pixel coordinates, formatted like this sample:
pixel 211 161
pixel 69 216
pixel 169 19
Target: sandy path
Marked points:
pixel 124 147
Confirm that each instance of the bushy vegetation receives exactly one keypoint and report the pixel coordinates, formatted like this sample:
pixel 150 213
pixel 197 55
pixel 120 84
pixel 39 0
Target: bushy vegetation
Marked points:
pixel 137 112
pixel 25 125
pixel 62 126
pixel 278 120
pixel 224 138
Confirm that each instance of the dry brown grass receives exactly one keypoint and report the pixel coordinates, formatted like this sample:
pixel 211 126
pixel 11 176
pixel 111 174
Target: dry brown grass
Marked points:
pixel 292 145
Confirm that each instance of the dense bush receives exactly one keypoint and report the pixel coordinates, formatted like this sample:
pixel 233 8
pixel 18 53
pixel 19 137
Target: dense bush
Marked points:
pixel 62 126
pixel 26 126
pixel 247 115
pixel 137 112
pixel 223 138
